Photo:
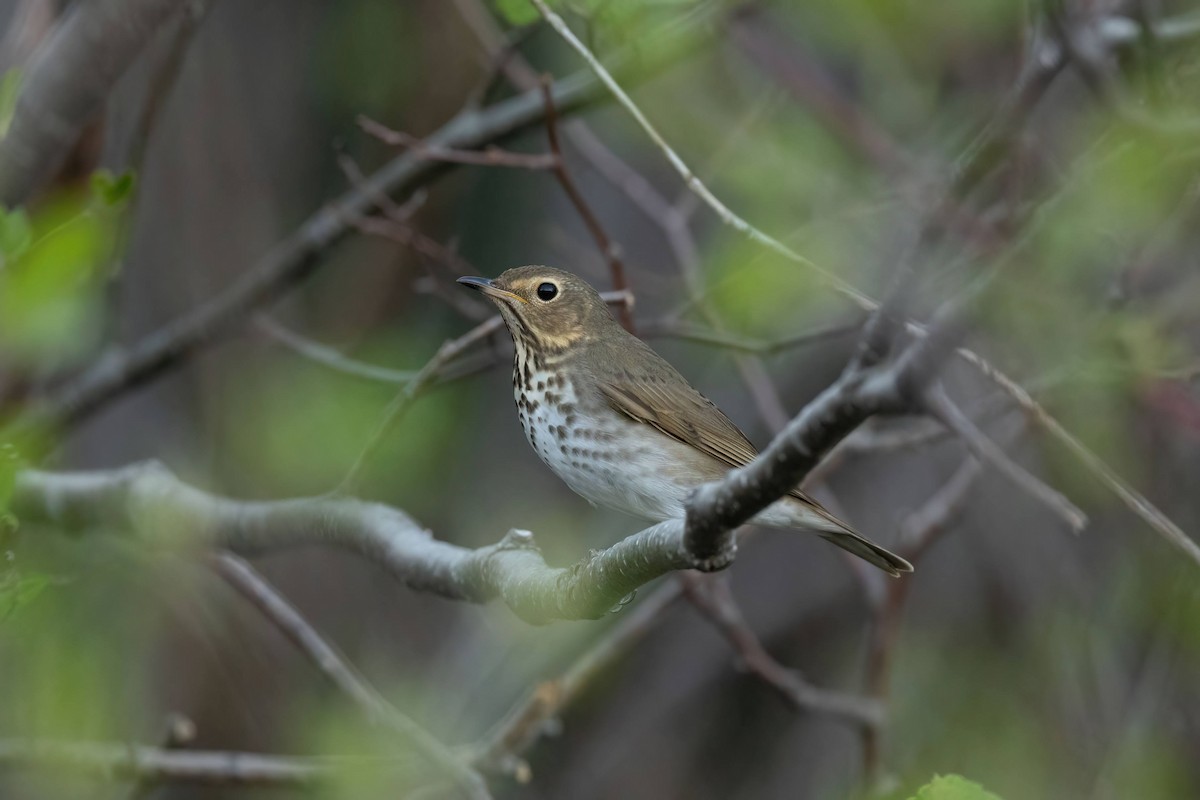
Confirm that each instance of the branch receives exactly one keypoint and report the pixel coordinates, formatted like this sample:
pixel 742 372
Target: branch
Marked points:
pixel 148 502
pixel 712 597
pixel 152 764
pixel 490 156
pixel 943 409
pixel 178 733
pixel 676 329
pixel 67 81
pixel 399 406
pixel 533 716
pixel 608 248
pixel 275 607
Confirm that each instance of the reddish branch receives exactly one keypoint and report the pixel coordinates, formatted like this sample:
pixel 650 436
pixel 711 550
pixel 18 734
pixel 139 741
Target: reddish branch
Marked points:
pixel 608 248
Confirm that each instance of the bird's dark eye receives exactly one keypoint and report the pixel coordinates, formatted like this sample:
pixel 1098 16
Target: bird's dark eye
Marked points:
pixel 547 292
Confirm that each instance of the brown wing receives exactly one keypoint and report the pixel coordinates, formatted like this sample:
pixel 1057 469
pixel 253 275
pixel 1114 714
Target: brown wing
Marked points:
pixel 681 412
pixel 663 399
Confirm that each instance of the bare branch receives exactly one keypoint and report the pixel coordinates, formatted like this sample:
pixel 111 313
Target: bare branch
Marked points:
pixel 676 329
pixel 146 500
pixel 711 595
pixel 178 733
pixel 155 765
pixel 533 716
pixel 429 373
pixel 490 156
pixel 328 356
pixel 608 248
pixel 252 586
pixel 941 407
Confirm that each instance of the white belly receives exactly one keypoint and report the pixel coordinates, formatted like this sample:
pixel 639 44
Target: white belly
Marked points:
pixel 610 464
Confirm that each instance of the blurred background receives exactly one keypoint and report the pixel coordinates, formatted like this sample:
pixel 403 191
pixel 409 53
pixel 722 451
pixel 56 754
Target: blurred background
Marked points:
pixel 1047 149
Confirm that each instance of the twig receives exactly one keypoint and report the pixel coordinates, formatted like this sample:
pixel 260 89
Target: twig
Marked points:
pixel 396 410
pixel 153 765
pixel 676 329
pixel 328 356
pixel 711 595
pixel 179 732
pixel 490 156
pixel 333 359
pixel 918 532
pixel 530 718
pixel 1141 506
pixel 942 408
pixel 284 616
pixel 608 248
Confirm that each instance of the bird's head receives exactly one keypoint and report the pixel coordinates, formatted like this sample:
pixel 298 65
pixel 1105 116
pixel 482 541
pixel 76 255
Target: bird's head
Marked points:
pixel 547 308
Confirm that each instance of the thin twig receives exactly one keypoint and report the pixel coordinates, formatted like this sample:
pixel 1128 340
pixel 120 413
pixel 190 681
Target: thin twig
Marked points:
pixel 328 356
pixel 292 624
pixel 396 410
pixel 490 156
pixel 918 532
pixel 153 765
pixel 608 248
pixel 942 408
pixel 532 716
pixel 178 733
pixel 711 595
pixel 677 329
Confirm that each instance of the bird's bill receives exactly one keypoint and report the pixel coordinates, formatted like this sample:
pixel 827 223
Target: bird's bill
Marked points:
pixel 488 287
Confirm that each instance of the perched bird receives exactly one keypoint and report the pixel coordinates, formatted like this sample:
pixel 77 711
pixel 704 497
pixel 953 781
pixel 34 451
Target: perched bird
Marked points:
pixel 616 422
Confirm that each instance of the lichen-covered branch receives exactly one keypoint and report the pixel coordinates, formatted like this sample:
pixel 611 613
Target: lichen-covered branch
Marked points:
pixel 148 502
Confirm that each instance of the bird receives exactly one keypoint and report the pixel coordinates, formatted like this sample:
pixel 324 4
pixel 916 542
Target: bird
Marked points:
pixel 617 423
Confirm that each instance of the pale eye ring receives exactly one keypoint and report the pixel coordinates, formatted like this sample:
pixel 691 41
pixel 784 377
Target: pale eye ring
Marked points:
pixel 547 291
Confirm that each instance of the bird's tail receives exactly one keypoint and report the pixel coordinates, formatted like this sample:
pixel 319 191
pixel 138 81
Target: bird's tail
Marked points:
pixel 817 518
pixel 868 551
pixel 798 510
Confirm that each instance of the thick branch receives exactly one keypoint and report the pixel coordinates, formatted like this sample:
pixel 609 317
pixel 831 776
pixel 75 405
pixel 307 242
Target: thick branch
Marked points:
pixel 147 501
pixel 66 83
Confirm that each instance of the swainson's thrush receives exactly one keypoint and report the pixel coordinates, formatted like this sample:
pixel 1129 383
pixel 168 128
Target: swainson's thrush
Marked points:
pixel 617 422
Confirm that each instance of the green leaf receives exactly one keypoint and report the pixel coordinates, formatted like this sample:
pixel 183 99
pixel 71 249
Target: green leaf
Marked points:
pixel 952 787
pixel 10 86
pixel 16 234
pixel 112 190
pixel 517 12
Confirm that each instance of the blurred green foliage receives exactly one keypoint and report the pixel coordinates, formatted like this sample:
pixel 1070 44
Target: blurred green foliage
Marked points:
pixel 10 86
pixel 375 38
pixel 18 589
pixel 952 787
pixel 300 428
pixel 53 267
